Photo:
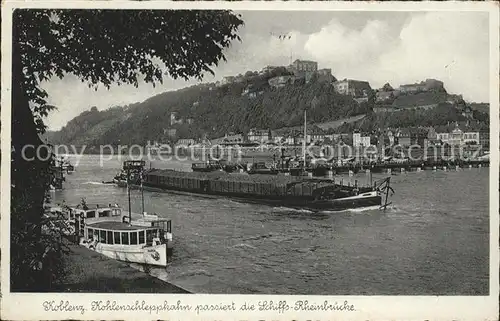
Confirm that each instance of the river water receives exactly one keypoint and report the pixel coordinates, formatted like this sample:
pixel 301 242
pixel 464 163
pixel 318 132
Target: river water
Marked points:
pixel 433 240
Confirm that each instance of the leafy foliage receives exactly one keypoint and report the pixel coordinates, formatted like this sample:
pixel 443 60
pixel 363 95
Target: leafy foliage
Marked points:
pixel 117 46
pixel 99 47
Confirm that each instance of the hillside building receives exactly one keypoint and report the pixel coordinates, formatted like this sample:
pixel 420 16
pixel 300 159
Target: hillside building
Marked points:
pixel 305 69
pixel 227 80
pixel 260 135
pixel 325 75
pixel 305 65
pixel 354 88
pixel 427 85
pixel 170 132
pixel 268 69
pixel 173 119
pixel 385 96
pixel 281 81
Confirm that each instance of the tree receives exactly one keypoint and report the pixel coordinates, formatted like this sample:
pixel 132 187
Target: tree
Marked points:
pixel 99 47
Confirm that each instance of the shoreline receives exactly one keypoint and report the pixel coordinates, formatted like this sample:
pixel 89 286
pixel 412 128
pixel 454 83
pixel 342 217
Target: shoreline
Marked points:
pixel 90 272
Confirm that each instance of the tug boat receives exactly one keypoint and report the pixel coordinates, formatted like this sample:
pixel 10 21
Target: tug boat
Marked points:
pixel 210 166
pixel 131 173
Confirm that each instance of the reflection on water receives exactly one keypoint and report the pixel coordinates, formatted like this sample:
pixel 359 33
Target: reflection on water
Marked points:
pixel 433 240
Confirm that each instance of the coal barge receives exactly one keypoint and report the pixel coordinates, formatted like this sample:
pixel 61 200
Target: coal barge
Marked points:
pixel 273 190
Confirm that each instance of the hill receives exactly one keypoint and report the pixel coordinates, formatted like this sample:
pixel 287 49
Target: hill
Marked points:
pixel 420 99
pixel 214 110
pixel 481 107
pixel 443 114
pixel 211 110
pixel 337 123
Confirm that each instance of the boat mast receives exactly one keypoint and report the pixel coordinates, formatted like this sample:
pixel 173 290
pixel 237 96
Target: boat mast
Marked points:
pixel 142 190
pixel 128 191
pixel 305 138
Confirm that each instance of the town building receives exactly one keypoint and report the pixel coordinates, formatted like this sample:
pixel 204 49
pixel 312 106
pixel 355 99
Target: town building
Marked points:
pixel 260 135
pixel 418 136
pixel 403 137
pixel 354 88
pixel 315 135
pixel 444 137
pixel 460 134
pixel 471 137
pixel 229 139
pixel 390 136
pixel 484 138
pixel 185 142
pixel 359 140
pixel 431 133
pixel 455 137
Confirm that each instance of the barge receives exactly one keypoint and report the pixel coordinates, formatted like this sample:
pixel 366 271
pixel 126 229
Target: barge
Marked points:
pixel 274 190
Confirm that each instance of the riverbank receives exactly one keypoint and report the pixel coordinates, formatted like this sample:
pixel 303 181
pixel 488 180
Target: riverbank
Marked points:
pixel 88 271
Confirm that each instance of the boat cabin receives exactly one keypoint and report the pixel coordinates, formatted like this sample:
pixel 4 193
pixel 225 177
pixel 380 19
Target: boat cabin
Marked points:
pixel 94 211
pixel 119 233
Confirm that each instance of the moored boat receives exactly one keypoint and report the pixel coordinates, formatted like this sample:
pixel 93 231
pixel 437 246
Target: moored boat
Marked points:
pixel 133 243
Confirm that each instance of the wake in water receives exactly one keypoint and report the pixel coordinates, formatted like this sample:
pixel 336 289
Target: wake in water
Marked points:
pixel 292 210
pixel 97 183
pixel 243 245
pixel 356 210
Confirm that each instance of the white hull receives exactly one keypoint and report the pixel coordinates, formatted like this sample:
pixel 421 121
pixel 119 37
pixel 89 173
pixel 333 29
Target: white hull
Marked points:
pixel 151 255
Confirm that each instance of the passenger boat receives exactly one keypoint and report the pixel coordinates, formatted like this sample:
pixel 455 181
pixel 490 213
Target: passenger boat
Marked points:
pixel 130 237
pixel 148 243
pixel 143 239
pixel 73 218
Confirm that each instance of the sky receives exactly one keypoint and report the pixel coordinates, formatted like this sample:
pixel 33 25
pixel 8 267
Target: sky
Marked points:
pixel 380 47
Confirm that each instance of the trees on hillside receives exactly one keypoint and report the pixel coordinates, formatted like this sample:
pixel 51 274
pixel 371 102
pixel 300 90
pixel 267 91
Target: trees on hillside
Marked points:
pixel 227 110
pixel 99 47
